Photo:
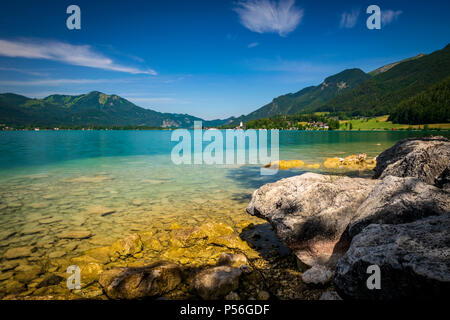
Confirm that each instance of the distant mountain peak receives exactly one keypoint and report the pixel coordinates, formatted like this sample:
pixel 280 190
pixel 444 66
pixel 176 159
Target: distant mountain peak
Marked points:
pixel 310 97
pixel 393 64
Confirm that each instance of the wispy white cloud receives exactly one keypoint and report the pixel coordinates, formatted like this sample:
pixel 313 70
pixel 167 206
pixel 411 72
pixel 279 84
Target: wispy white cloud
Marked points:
pixel 388 16
pixel 29 72
pixel 253 44
pixel 269 16
pixel 78 55
pixel 349 19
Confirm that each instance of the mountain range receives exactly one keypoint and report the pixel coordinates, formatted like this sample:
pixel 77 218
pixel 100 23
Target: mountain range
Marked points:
pixel 92 109
pixel 389 89
pixel 310 98
pixel 353 92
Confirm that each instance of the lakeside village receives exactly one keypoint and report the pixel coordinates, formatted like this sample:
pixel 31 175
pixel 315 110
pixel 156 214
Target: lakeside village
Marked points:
pixel 318 124
pixel 315 125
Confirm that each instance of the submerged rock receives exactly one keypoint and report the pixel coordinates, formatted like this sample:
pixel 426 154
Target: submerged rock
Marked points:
pixel 126 247
pixel 90 273
pixel 414 260
pixel 78 234
pixel 50 220
pixel 423 158
pixel 357 162
pixel 100 210
pixel 7 234
pixel 8 265
pixel 94 179
pixel 26 273
pixel 137 202
pixel 50 280
pixel 11 287
pixel 399 200
pixel 97 255
pixel 203 244
pixel 234 260
pixel 216 283
pixel 286 164
pixel 39 205
pixel 21 252
pixel 309 212
pixel 153 280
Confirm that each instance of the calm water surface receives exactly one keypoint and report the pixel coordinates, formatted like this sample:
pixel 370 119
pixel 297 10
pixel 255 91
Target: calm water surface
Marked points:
pixel 53 181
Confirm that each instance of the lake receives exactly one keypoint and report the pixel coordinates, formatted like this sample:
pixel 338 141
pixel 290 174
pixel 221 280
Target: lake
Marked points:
pixel 115 183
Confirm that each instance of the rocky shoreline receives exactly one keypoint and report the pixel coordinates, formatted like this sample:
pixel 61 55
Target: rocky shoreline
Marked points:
pixel 323 232
pixel 211 261
pixel 398 221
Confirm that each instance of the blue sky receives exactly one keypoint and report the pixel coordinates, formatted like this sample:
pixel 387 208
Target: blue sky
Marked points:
pixel 211 59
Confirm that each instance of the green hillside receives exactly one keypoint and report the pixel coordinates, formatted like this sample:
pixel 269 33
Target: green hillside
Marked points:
pixel 310 98
pixel 429 106
pixel 381 93
pixel 353 93
pixel 94 108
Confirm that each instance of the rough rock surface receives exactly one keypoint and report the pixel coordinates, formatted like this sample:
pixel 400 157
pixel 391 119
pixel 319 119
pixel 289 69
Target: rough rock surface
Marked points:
pixel 217 282
pixel 21 252
pixel 399 200
pixel 423 158
pixel 78 234
pixel 126 247
pixel 309 212
pixel 100 210
pixel 233 260
pixel 443 180
pixel 318 275
pixel 50 280
pixel 414 260
pixel 133 283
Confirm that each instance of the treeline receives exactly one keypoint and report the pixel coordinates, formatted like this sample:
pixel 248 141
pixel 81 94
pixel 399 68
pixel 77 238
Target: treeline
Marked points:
pixel 77 127
pixel 300 122
pixel 429 106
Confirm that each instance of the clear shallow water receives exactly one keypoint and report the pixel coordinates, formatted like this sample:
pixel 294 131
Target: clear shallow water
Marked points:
pixel 49 182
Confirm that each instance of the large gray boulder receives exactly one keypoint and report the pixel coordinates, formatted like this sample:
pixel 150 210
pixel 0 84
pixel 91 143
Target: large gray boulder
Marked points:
pixel 397 200
pixel 309 212
pixel 414 261
pixel 153 280
pixel 423 158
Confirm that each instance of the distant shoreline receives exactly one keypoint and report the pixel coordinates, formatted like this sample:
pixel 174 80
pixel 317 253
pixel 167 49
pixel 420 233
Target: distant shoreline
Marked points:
pixel 169 129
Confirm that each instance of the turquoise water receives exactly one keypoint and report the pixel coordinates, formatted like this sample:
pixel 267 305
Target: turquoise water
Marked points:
pixel 57 181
